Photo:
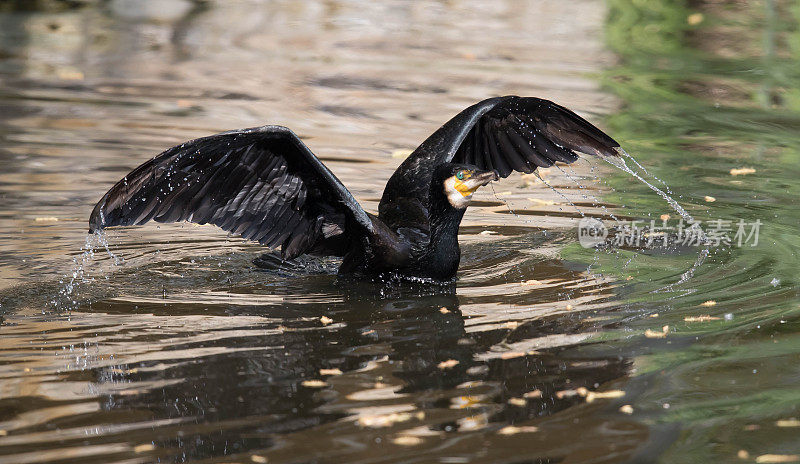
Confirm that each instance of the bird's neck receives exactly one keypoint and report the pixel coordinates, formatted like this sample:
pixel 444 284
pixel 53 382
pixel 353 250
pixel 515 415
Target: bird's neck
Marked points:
pixel 445 221
pixel 444 225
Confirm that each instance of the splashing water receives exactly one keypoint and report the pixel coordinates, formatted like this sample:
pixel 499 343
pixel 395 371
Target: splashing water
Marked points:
pixel 688 274
pixel 585 194
pixel 624 153
pixel 536 173
pixel 622 165
pixel 674 204
pixel 528 221
pixel 67 298
pixel 701 257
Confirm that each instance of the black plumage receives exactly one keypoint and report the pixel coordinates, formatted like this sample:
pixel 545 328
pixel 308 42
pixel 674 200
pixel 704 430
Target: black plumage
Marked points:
pixel 266 185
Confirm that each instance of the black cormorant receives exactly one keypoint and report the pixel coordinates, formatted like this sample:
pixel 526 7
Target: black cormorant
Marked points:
pixel 266 185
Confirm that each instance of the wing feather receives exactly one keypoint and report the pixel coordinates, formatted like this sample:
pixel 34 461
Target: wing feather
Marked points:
pixel 504 133
pixel 513 153
pixel 502 165
pixel 524 147
pixel 261 183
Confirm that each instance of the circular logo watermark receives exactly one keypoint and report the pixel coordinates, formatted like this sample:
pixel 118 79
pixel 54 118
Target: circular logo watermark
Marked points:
pixel 591 232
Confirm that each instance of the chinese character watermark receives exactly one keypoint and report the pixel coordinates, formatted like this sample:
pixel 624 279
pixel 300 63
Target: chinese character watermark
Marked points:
pixel 593 232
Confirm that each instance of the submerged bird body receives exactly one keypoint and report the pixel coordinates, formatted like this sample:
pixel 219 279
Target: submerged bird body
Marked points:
pixel 266 185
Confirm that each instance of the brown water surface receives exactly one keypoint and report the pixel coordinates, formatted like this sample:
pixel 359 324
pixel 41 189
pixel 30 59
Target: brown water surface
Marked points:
pixel 184 351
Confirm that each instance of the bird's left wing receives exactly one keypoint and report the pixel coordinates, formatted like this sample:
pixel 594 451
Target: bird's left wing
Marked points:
pixel 261 183
pixel 503 133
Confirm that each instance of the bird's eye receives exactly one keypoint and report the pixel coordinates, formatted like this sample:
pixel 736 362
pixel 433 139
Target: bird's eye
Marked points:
pixel 460 175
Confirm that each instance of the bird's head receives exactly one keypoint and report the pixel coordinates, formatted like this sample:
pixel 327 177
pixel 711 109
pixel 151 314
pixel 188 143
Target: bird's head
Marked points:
pixel 460 181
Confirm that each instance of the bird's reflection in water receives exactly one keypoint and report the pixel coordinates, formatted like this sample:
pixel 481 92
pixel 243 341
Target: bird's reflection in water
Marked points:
pixel 395 365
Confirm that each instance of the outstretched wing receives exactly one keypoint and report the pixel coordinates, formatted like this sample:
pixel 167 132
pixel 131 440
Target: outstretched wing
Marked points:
pixel 504 133
pixel 261 183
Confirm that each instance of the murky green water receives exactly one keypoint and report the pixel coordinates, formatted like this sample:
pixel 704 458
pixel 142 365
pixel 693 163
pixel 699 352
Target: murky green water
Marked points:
pixel 183 351
pixel 708 92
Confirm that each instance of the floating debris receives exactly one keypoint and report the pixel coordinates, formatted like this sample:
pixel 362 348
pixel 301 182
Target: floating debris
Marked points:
pixel 478 370
pixel 325 320
pixel 519 402
pixel 533 394
pixel 569 307
pixel 314 383
pixel 46 219
pixel 777 458
pixel 334 371
pixel 654 315
pixel 449 364
pixel 513 430
pixel 476 422
pixel 530 179
pixel 709 199
pixel 114 370
pixel 742 171
pixel 566 394
pixel 386 420
pixel 656 334
pixel 695 19
pixel 407 440
pixel 487 232
pixel 259 459
pixel 70 75
pixel 626 409
pixel 513 354
pixel 463 402
pixel 703 318
pixel 793 422
pixel 743 454
pixel 143 448
pixel 665 217
pixel 604 395
pixel 444 310
pixel 708 303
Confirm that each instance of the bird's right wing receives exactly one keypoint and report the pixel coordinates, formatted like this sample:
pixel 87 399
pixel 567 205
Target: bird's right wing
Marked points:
pixel 503 133
pixel 261 183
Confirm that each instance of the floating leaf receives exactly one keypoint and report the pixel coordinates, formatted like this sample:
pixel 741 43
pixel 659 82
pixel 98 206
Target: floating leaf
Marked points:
pixel 777 458
pixel 703 318
pixel 449 364
pixel 314 383
pixel 742 171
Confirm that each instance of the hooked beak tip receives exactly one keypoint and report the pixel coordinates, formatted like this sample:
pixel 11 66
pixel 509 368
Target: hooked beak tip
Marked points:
pixel 489 176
